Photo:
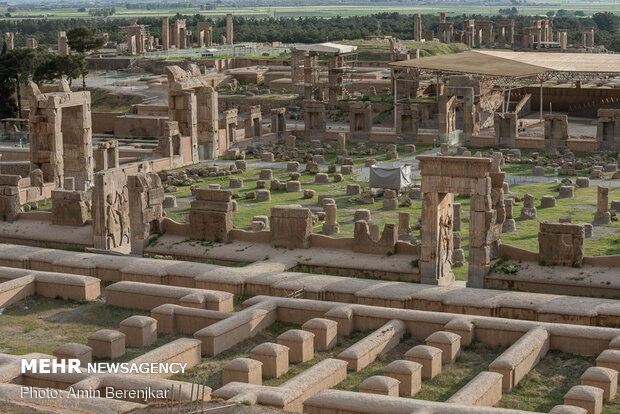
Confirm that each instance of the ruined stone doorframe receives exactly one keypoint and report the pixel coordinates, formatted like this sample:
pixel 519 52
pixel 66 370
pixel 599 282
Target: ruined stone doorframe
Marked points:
pixel 442 177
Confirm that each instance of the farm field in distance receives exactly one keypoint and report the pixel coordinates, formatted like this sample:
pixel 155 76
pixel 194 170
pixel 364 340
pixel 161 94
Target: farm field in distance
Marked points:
pixel 588 8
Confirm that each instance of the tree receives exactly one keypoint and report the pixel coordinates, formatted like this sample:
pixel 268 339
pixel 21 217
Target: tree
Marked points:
pixel 82 40
pixel 8 109
pixel 19 65
pixel 606 21
pixel 550 13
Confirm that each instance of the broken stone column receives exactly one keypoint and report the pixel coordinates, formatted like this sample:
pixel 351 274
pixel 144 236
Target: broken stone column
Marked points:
pixel 404 224
pixel 110 210
pixel 509 224
pixel 392 152
pixel 561 244
pixel 278 123
pixel 146 197
pixel 602 215
pixel 342 145
pixel 390 201
pixel 291 226
pixel 457 216
pixel 9 197
pixel 330 225
pixel 417 27
pixel 210 215
pixel 229 29
pixel 458 254
pixel 528 211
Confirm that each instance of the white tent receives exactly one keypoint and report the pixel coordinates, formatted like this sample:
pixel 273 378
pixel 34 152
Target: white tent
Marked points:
pixel 389 175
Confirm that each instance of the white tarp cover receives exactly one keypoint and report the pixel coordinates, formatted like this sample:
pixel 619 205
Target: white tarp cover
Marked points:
pixel 388 175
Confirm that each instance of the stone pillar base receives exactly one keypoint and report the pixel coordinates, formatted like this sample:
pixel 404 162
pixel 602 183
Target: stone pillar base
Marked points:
pixel 602 218
pixel 509 226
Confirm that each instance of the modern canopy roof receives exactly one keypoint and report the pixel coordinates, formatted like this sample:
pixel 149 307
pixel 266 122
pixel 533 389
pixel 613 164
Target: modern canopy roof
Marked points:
pixel 515 64
pixel 328 48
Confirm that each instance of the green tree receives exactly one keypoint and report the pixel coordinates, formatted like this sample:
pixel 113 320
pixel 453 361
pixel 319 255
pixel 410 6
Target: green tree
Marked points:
pixel 19 66
pixel 83 40
pixel 607 21
pixel 8 109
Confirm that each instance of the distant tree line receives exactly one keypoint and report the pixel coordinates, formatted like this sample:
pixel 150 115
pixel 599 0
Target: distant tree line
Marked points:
pixel 311 29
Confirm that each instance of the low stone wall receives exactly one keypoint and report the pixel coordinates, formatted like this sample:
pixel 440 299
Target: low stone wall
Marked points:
pixel 227 333
pixel 517 361
pixel 183 350
pixel 15 290
pixel 135 295
pixel 291 395
pixel 484 390
pixel 348 402
pixel 180 319
pixel 364 352
pixel 17 284
pixel 270 278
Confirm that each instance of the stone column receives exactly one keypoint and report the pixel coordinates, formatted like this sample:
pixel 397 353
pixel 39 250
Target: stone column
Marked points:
pixel 229 29
pixel 417 27
pixel 165 33
pixel 509 224
pixel 457 216
pixel 602 215
pixel 330 225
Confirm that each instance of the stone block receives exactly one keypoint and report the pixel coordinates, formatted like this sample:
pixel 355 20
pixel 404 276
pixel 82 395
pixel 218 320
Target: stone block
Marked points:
pixel 429 357
pixel 547 201
pixel 263 195
pixel 582 182
pixel 235 183
pixel 448 342
pixel 325 332
pixel 139 330
pixel 567 191
pixel 300 344
pixel 585 396
pixel 353 189
pixel 321 178
pixel 309 193
pixel 390 203
pixel 609 358
pixel 274 358
pixel 245 370
pixel 381 385
pixel 409 374
pixel 72 350
pixel 293 186
pixel 107 343
pixel 603 378
pixel 346 170
pixel 265 175
pixel 361 214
